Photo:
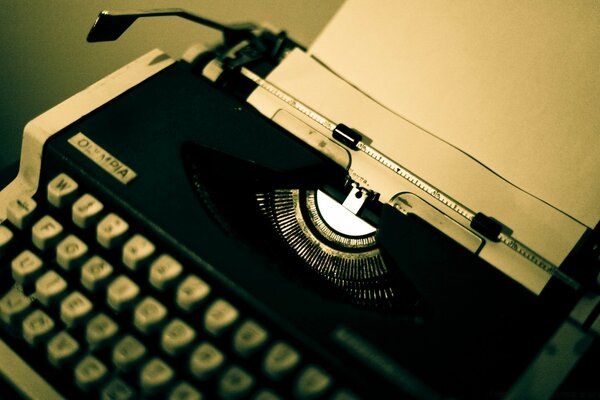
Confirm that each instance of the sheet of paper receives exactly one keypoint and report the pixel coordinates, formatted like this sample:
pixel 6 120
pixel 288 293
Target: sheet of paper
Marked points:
pixel 540 226
pixel 515 84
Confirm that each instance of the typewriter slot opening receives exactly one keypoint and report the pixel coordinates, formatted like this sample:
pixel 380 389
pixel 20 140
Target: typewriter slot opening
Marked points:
pixel 289 219
pixel 340 219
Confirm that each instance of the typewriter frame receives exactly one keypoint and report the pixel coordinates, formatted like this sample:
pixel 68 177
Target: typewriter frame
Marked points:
pixel 580 329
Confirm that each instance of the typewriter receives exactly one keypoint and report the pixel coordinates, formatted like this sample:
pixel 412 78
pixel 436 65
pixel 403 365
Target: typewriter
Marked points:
pixel 246 223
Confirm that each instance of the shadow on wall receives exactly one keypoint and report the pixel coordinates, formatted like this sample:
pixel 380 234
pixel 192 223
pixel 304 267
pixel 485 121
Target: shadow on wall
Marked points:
pixel 45 57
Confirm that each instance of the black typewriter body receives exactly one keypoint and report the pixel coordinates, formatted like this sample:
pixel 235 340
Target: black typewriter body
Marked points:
pixel 472 335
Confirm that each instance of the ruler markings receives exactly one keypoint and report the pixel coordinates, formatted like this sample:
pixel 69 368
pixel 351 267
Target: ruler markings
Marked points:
pixel 441 197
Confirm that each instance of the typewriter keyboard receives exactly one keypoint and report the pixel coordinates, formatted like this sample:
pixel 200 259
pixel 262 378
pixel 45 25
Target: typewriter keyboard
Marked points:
pixel 106 310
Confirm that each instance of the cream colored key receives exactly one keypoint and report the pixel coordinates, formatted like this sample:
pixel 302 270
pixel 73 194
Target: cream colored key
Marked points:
pixel 121 293
pixel 191 292
pixel 235 383
pixel 13 304
pixel 70 252
pixel 149 314
pixel 110 230
pixel 75 308
pixel 266 394
pixel 89 372
pixel 46 232
pixel 26 267
pixel 206 360
pixel 219 316
pixel 100 330
pixel 137 251
pixel 61 348
pixel 128 352
pixel 155 376
pixel 86 210
pixel 176 337
pixel 185 391
pixel 50 287
pixel 312 383
pixel 36 326
pixel 20 211
pixel 164 271
pixel 344 394
pixel 248 338
pixel 117 389
pixel 280 360
pixel 95 273
pixel 61 190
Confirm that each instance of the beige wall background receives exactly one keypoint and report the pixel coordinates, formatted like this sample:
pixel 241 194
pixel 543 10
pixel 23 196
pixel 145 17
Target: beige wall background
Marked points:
pixel 44 57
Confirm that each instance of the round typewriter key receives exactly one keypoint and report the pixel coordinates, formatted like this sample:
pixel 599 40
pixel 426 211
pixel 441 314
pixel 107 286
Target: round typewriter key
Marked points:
pixel 177 336
pixel 26 267
pixel 75 308
pixel 185 391
pixel 164 271
pixel 235 383
pixel 191 292
pixel 155 376
pixel 248 338
pixel 149 314
pixel 111 230
pixel 95 273
pixel 20 211
pixel 50 287
pixel 118 390
pixel 89 372
pixel 61 348
pixel 280 360
pixel 266 394
pixel 121 293
pixel 13 304
pixel 137 251
pixel 128 352
pixel 70 252
pixel 37 326
pixel 86 211
pixel 100 330
pixel 46 232
pixel 219 316
pixel 206 360
pixel 311 383
pixel 61 190
pixel 344 394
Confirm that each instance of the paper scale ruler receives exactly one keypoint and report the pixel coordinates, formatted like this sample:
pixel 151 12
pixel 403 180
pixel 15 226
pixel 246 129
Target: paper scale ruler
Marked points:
pixel 482 224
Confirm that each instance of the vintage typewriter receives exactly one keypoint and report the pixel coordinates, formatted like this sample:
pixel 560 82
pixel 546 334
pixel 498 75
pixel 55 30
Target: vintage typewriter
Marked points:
pixel 204 228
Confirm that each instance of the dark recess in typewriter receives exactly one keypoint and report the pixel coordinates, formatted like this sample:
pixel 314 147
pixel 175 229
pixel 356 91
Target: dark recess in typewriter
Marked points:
pixel 279 214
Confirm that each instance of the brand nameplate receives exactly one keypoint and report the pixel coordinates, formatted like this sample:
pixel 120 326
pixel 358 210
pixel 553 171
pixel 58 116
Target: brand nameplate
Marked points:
pixel 102 158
